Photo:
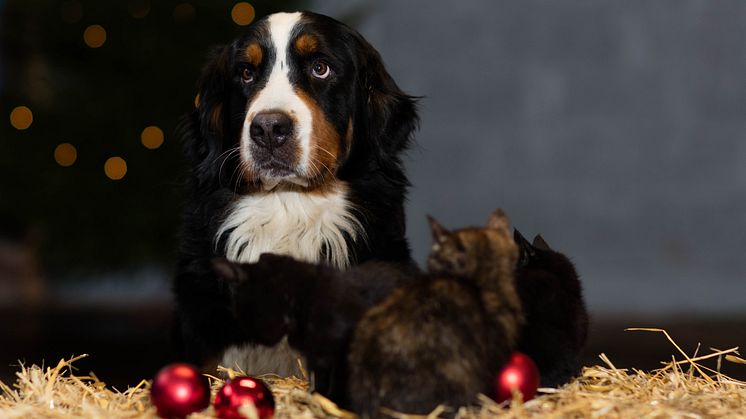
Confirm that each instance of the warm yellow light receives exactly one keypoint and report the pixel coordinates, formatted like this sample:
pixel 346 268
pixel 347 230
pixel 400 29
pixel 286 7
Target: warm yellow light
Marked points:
pixel 65 154
pixel 94 36
pixel 152 137
pixel 21 117
pixel 139 8
pixel 196 101
pixel 242 13
pixel 184 13
pixel 115 168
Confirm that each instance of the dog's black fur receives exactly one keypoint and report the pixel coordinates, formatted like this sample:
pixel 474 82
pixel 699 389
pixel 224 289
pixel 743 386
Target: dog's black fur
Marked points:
pixel 316 306
pixel 364 95
pixel 556 326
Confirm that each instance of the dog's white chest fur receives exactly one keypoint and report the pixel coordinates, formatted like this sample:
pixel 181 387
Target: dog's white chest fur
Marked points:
pixel 292 223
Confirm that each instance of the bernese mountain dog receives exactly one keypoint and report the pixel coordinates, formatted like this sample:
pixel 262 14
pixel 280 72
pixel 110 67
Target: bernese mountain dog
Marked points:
pixel 295 148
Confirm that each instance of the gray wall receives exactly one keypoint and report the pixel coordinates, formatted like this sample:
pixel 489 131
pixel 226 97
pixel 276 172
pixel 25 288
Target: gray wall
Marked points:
pixel 617 129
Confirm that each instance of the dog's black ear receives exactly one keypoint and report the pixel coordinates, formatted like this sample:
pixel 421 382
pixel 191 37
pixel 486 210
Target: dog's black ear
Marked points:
pixel 208 119
pixel 391 113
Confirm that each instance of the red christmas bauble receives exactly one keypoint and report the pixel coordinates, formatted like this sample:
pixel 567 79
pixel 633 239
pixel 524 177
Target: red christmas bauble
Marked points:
pixel 178 390
pixel 520 373
pixel 240 391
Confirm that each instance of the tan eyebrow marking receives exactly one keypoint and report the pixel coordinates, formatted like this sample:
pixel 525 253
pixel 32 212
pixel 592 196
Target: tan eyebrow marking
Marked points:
pixel 306 44
pixel 254 54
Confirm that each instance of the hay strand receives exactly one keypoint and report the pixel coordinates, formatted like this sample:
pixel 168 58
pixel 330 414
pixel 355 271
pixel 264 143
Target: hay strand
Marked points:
pixel 683 388
pixel 670 339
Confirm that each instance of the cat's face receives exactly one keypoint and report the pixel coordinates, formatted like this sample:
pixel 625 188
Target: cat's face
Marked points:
pixel 469 251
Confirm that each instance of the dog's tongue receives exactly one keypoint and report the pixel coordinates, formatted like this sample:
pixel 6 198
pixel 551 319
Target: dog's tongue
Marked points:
pixel 298 181
pixel 270 183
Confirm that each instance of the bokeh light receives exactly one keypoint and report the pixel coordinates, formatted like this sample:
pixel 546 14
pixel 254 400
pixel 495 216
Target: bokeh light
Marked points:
pixel 94 36
pixel 196 101
pixel 152 137
pixel 138 8
pixel 115 168
pixel 184 13
pixel 71 11
pixel 21 117
pixel 65 154
pixel 242 13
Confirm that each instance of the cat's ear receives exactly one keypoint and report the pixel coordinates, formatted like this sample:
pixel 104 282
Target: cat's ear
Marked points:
pixel 526 250
pixel 540 243
pixel 228 271
pixel 498 220
pixel 440 233
pixel 519 239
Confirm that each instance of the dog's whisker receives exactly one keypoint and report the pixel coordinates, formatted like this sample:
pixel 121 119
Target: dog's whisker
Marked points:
pixel 243 168
pixel 325 167
pixel 231 152
pixel 228 151
pixel 326 151
pixel 316 164
pixel 315 171
pixel 237 174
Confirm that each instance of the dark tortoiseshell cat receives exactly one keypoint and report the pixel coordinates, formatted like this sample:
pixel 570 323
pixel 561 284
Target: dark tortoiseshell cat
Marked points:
pixel 443 338
pixel 556 318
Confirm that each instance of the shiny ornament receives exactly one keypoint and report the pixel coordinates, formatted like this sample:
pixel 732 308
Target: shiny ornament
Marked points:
pixel 178 390
pixel 520 373
pixel 241 391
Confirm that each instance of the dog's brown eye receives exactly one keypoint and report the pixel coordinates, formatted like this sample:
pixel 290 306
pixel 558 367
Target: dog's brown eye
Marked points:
pixel 321 70
pixel 247 75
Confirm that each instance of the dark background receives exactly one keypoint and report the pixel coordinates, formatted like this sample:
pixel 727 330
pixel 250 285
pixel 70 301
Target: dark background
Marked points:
pixel 615 129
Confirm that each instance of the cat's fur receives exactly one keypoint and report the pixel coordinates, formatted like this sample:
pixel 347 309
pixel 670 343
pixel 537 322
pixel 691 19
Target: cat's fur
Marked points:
pixel 556 317
pixel 443 338
pixel 316 306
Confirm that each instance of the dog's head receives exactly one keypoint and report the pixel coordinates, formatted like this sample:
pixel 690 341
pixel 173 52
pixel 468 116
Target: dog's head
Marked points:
pixel 294 100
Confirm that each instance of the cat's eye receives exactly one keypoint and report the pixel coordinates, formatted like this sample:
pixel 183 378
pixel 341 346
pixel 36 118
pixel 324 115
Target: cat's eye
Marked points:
pixel 321 69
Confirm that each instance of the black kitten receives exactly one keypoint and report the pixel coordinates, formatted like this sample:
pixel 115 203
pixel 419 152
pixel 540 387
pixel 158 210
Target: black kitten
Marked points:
pixel 443 338
pixel 316 306
pixel 556 318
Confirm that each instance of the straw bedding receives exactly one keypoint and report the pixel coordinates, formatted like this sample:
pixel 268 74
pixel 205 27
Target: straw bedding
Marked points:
pixel 687 386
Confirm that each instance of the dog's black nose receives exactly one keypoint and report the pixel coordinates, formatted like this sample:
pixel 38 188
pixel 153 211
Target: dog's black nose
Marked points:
pixel 271 129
